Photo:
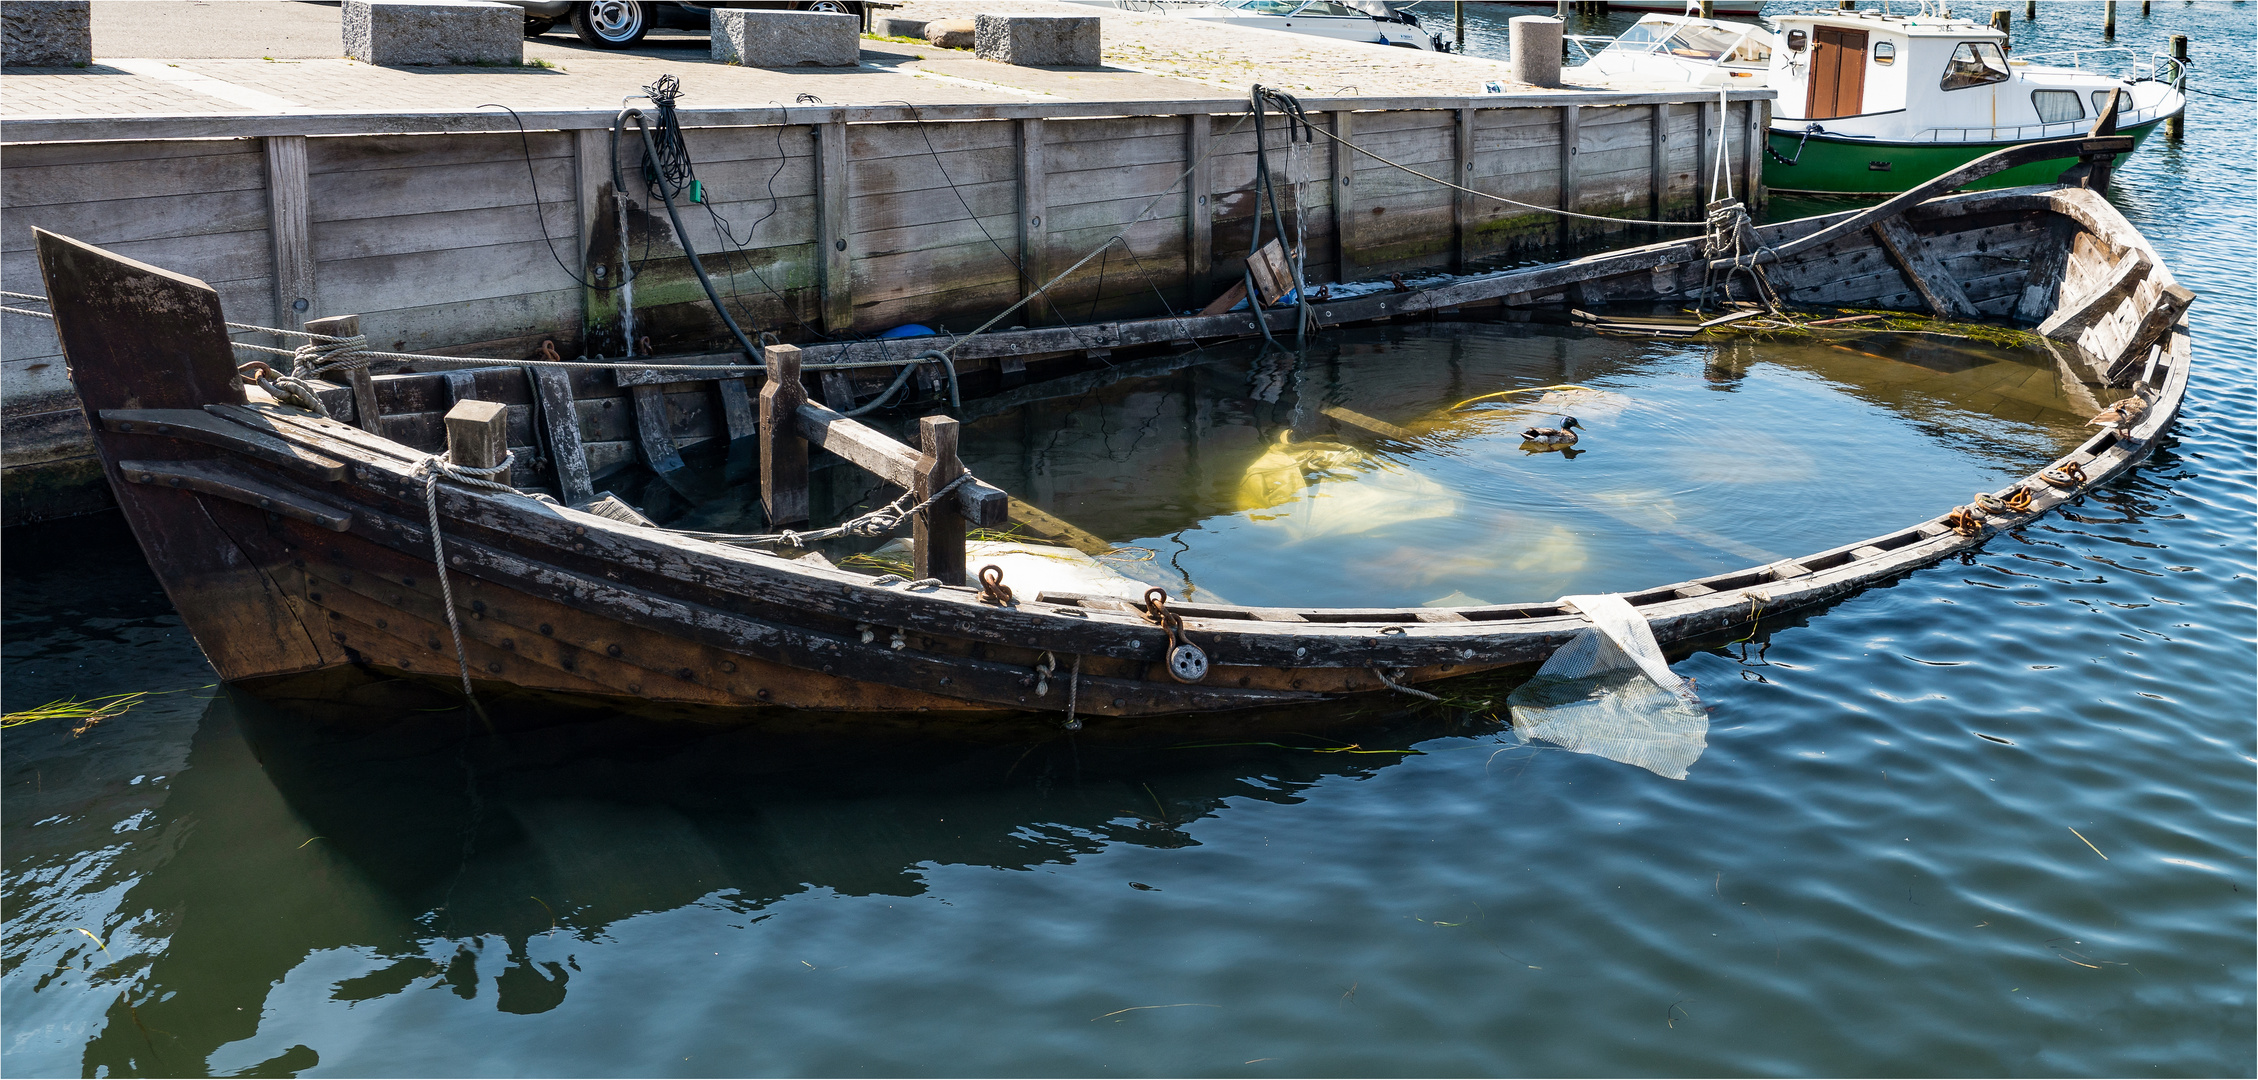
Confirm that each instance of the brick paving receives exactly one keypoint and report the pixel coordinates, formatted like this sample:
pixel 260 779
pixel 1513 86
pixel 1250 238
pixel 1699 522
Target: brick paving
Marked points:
pixel 1147 57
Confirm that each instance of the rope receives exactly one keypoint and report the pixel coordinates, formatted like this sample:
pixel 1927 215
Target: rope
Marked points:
pixel 1402 689
pixel 431 469
pixel 1213 144
pixel 1073 687
pixel 353 353
pixel 1501 198
pixel 880 522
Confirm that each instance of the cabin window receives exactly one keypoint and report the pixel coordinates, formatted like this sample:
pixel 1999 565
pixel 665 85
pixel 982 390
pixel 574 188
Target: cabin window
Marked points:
pixel 1975 63
pixel 2101 101
pixel 1334 10
pixel 1885 53
pixel 2057 106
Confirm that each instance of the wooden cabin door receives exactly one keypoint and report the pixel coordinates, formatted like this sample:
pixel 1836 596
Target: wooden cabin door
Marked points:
pixel 1838 74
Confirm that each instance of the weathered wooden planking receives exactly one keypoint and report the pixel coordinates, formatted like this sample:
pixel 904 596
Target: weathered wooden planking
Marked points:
pixel 1921 267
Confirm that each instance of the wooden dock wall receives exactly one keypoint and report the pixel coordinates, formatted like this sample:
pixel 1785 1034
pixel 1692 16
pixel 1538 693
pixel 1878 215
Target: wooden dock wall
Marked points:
pixel 822 221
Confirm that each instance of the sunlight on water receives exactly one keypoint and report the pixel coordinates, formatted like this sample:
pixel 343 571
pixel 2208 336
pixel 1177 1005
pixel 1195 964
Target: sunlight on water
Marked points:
pixel 1388 467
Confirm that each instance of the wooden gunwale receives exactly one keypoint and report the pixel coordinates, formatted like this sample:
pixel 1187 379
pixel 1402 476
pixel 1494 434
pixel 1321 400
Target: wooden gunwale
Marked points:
pixel 810 618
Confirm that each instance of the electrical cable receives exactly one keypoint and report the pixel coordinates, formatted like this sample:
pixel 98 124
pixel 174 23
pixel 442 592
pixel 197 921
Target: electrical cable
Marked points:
pixel 525 143
pixel 681 234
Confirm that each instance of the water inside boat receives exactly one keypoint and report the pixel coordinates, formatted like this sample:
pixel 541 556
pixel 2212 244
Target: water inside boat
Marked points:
pixel 1387 467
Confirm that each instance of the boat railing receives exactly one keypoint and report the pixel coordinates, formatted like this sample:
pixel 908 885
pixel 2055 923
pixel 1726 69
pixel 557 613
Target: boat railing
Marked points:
pixel 2136 66
pixel 2027 132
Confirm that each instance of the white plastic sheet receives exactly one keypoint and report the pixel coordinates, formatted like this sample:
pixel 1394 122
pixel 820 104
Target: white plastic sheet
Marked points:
pixel 1609 692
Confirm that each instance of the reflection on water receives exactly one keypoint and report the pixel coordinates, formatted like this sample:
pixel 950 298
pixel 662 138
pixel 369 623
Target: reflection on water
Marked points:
pixel 1386 466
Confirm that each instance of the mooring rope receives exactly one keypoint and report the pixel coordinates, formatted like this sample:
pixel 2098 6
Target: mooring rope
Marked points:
pixel 356 354
pixel 431 469
pixel 1402 689
pixel 880 522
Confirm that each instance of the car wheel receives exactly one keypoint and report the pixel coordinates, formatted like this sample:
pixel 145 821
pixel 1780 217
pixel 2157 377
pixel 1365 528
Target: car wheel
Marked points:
pixel 610 24
pixel 833 7
pixel 536 27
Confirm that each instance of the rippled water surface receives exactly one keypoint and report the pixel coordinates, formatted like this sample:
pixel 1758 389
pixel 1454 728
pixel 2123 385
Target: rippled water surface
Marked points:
pixel 1873 870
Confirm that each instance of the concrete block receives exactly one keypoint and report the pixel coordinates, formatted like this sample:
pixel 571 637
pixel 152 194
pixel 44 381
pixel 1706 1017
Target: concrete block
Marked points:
pixel 390 33
pixel 46 35
pixel 952 33
pixel 897 26
pixel 778 39
pixel 1038 40
pixel 1533 43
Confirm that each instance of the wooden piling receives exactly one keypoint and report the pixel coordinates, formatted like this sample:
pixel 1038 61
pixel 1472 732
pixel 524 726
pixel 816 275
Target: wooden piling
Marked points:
pixel 1708 9
pixel 1458 17
pixel 1034 202
pixel 552 388
pixel 365 412
pixel 478 434
pixel 290 228
pixel 2109 20
pixel 2144 8
pixel 783 450
pixel 937 535
pixel 1571 183
pixel 2000 18
pixel 831 215
pixel 1199 219
pixel 1461 201
pixel 2175 129
pixel 1344 198
pixel 2030 10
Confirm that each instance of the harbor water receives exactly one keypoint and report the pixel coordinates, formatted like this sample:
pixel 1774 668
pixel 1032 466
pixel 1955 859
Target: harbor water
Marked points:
pixel 1992 818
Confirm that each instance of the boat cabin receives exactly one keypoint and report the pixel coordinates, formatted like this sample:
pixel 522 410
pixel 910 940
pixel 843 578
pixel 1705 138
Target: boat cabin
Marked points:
pixel 1927 78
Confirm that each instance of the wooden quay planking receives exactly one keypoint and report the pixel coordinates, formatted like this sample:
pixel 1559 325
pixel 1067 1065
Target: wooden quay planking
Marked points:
pixel 827 222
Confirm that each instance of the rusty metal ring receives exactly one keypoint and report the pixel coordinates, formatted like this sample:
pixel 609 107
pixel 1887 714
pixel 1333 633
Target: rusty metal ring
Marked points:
pixel 991 568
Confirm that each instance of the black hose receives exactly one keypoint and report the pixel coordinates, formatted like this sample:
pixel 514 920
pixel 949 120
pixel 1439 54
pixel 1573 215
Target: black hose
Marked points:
pixel 680 233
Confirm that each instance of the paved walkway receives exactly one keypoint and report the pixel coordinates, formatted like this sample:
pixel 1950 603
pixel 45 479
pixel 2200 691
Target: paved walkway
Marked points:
pixel 173 59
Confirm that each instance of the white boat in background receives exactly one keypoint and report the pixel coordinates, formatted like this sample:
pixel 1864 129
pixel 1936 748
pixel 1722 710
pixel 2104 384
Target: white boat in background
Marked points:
pixel 1370 21
pixel 1675 50
pixel 1875 102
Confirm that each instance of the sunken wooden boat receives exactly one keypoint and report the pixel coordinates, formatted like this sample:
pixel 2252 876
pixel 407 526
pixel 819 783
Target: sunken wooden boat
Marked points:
pixel 293 543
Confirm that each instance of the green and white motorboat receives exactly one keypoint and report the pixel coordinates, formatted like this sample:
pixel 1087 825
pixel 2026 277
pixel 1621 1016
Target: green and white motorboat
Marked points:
pixel 1873 103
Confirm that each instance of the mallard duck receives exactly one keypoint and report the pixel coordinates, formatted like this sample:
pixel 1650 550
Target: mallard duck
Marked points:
pixel 1564 435
pixel 2122 414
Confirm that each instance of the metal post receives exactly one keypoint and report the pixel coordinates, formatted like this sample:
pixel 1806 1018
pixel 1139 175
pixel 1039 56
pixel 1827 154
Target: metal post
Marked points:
pixel 2176 128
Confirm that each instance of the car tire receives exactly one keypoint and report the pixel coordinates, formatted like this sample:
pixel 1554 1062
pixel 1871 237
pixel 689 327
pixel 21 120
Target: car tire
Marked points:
pixel 536 27
pixel 833 7
pixel 611 24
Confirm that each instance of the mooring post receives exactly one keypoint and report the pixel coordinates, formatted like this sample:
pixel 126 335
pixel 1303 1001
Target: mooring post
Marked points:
pixel 937 535
pixel 1571 180
pixel 1848 5
pixel 2143 9
pixel 1458 17
pixel 2109 20
pixel 478 434
pixel 364 389
pixel 2176 128
pixel 2030 10
pixel 1999 21
pixel 784 451
pixel 1708 9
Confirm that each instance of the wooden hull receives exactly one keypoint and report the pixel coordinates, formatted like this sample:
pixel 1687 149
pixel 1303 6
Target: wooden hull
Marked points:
pixel 318 556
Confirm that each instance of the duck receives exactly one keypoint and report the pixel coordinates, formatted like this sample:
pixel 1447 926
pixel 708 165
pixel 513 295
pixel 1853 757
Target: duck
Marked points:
pixel 2122 414
pixel 1564 435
